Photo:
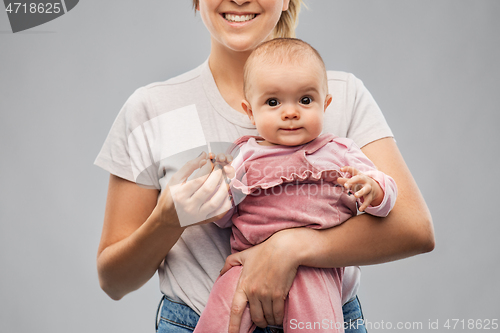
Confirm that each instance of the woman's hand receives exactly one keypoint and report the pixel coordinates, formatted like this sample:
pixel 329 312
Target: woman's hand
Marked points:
pixel 140 229
pixel 203 199
pixel 268 272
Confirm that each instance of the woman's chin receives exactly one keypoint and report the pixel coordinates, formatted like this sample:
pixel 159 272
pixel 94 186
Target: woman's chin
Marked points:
pixel 241 43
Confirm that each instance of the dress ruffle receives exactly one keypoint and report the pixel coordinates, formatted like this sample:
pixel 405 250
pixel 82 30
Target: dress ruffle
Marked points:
pixel 308 176
pixel 302 170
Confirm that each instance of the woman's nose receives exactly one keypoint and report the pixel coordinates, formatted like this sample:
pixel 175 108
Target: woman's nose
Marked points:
pixel 240 2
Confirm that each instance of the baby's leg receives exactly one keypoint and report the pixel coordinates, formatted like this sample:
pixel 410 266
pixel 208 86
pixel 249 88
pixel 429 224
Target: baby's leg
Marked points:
pixel 215 317
pixel 314 303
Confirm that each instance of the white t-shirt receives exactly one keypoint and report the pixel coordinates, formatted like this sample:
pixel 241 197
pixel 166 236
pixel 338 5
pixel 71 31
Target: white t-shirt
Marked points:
pixel 164 125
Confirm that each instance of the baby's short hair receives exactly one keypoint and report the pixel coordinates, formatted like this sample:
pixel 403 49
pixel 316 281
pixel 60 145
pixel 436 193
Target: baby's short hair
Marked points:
pixel 282 50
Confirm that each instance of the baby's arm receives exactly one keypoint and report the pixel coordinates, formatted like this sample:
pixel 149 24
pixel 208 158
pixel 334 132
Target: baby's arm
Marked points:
pixel 375 190
pixel 363 187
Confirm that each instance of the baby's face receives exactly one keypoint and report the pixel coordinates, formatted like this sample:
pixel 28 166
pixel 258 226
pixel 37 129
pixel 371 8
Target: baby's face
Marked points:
pixel 286 102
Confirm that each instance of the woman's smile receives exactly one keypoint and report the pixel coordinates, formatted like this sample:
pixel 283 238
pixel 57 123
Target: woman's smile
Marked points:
pixel 237 18
pixel 240 25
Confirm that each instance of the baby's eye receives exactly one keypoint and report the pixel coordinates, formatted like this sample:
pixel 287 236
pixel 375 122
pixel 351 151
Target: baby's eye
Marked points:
pixel 305 100
pixel 272 102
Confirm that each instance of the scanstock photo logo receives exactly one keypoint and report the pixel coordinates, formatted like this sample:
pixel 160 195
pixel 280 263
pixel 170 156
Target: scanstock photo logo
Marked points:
pixel 25 15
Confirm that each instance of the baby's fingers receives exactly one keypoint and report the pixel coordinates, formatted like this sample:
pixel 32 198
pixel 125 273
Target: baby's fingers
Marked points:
pixel 366 189
pixel 367 198
pixel 352 170
pixel 355 182
pixel 366 203
pixel 342 181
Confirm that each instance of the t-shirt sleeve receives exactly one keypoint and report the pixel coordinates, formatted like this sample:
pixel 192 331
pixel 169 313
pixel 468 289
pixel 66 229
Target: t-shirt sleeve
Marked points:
pixel 126 152
pixel 367 123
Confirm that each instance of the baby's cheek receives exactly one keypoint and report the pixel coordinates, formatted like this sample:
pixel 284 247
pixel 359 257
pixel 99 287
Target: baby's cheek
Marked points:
pixel 317 125
pixel 265 130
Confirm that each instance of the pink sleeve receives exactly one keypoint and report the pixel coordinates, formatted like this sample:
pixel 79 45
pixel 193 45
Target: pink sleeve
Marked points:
pixel 354 157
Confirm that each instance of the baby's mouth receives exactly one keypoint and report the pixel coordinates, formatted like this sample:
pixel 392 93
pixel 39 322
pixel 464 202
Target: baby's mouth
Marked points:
pixel 238 18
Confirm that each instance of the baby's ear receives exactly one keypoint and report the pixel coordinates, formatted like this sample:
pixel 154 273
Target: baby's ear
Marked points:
pixel 248 109
pixel 328 100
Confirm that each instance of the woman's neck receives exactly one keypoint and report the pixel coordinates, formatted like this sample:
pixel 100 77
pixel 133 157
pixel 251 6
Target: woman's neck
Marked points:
pixel 227 69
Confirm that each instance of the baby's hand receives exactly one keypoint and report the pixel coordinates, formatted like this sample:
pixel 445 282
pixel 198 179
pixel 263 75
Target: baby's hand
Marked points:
pixel 363 187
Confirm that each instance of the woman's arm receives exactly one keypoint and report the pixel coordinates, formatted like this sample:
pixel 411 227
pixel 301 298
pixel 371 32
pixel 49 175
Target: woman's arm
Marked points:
pixel 367 240
pixel 140 228
pixel 269 268
pixel 134 240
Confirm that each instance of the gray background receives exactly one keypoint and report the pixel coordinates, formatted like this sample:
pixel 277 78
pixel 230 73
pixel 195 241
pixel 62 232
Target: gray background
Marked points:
pixel 432 65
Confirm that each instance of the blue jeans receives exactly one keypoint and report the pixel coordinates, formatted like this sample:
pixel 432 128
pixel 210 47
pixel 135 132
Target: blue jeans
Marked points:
pixel 176 317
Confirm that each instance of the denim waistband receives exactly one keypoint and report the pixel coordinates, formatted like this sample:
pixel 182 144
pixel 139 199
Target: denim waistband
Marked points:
pixel 176 313
pixel 181 315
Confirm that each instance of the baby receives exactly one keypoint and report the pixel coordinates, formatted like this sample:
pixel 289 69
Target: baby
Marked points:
pixel 292 176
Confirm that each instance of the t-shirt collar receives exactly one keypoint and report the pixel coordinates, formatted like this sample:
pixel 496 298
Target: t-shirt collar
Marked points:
pixel 218 102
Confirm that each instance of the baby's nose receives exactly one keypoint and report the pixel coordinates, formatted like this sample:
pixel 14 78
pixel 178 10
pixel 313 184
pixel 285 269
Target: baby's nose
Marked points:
pixel 290 113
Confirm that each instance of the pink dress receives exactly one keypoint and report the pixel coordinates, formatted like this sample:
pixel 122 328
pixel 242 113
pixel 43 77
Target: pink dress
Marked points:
pixel 281 187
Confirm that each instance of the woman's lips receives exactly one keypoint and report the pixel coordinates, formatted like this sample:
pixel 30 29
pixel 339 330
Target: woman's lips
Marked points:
pixel 238 18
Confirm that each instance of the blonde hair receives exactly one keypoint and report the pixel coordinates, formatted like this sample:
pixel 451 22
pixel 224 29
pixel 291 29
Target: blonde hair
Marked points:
pixel 279 51
pixel 287 22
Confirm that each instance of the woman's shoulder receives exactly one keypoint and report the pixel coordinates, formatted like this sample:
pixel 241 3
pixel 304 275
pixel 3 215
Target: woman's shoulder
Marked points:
pixel 348 89
pixel 187 78
pixel 157 98
pixel 338 75
pixel 176 82
pixel 344 77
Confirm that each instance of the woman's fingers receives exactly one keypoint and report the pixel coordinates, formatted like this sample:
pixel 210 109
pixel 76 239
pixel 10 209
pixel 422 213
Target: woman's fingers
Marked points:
pixel 229 171
pixel 231 261
pixel 219 203
pixel 278 308
pixel 187 169
pixel 205 196
pixel 182 193
pixel 221 158
pixel 224 158
pixel 266 278
pixel 267 308
pixel 256 312
pixel 204 169
pixel 239 304
pixel 207 189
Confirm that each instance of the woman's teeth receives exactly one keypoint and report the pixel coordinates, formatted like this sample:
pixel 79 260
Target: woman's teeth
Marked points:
pixel 238 18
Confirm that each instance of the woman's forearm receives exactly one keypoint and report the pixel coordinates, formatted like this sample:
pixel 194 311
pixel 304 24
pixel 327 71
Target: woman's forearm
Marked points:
pixel 128 264
pixel 137 234
pixel 365 239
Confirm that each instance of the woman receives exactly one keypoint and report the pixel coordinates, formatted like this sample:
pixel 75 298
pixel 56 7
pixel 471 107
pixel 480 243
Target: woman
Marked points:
pixel 141 225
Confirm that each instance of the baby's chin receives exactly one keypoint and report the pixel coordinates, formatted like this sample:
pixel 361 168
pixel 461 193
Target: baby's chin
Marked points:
pixel 289 143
